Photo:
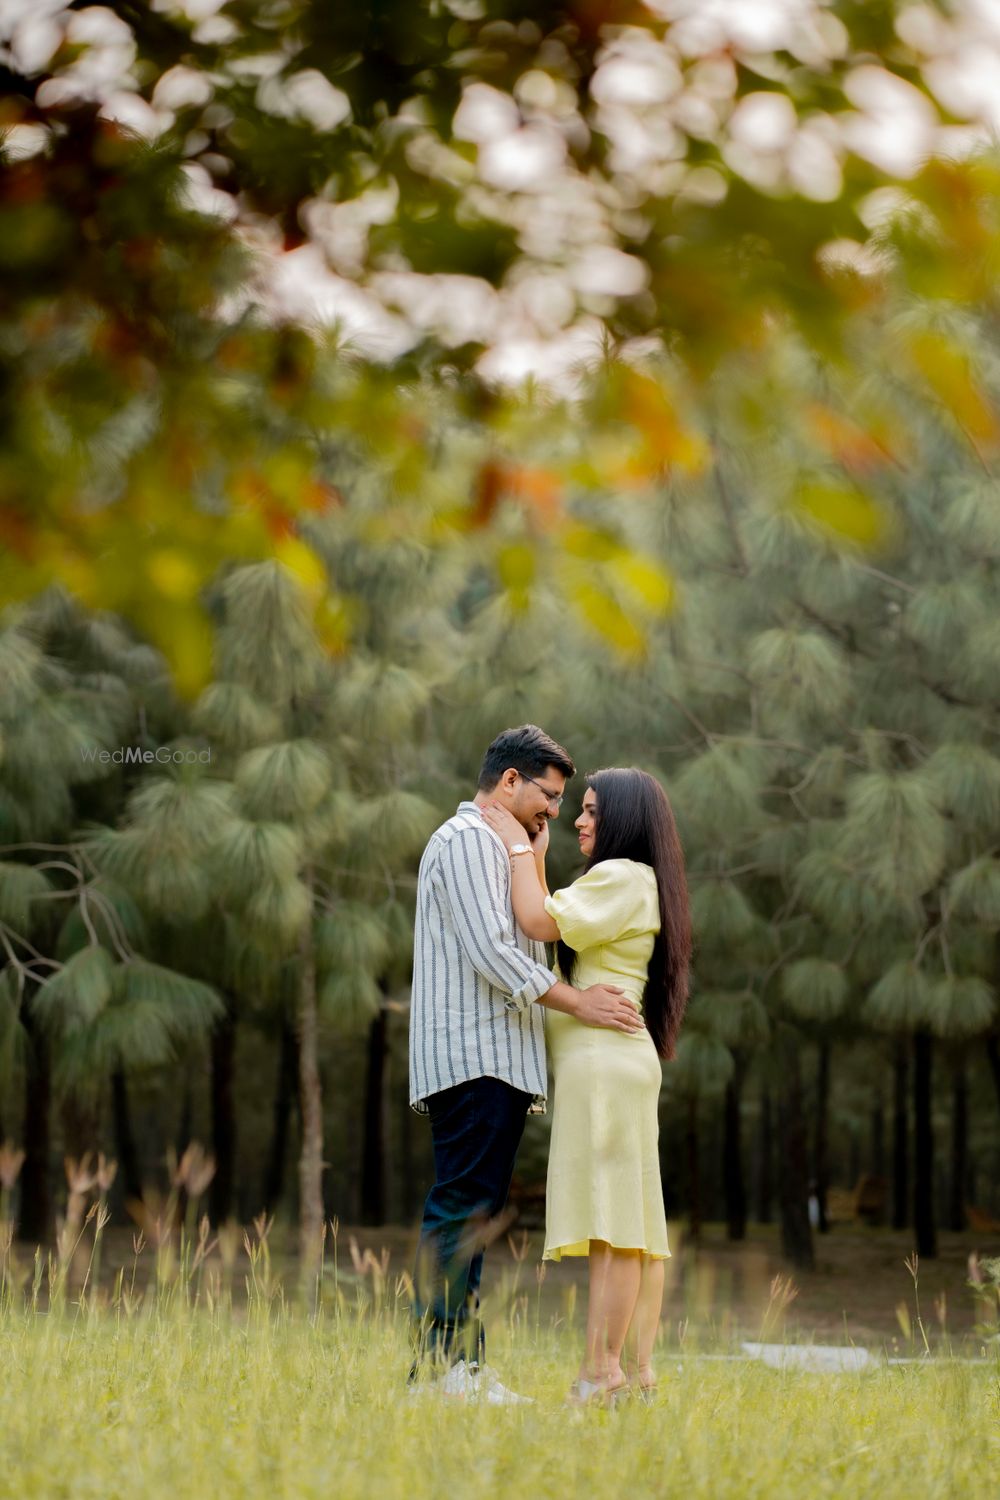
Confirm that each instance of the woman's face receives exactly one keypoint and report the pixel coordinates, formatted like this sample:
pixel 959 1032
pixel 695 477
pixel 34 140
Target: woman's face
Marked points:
pixel 586 823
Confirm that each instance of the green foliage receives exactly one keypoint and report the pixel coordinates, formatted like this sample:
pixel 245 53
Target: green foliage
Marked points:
pixel 703 1065
pixel 112 915
pixel 249 857
pixel 229 714
pixel 966 781
pixel 348 998
pixel 893 833
pixel 283 781
pixel 352 937
pixel 278 911
pixel 132 1015
pixel 941 613
pixel 378 698
pixel 721 914
pixel 21 663
pixel 266 641
pixel 718 791
pixel 815 989
pixel 21 889
pixel 76 995
pixel 903 999
pixel 974 892
pixel 738 1019
pixel 395 823
pixel 961 1005
pixel 798 672
pixel 838 893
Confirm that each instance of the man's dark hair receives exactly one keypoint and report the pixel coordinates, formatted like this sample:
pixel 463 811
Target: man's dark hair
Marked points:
pixel 526 749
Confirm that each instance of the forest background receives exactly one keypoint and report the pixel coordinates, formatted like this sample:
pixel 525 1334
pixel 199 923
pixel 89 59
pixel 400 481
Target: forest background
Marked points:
pixel 659 407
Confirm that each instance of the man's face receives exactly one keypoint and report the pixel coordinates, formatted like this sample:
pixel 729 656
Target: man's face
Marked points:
pixel 531 799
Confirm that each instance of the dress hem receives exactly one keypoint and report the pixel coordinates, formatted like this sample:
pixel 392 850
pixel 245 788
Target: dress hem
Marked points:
pixel 582 1248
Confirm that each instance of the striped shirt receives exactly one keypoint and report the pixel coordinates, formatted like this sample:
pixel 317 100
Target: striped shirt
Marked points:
pixel 475 974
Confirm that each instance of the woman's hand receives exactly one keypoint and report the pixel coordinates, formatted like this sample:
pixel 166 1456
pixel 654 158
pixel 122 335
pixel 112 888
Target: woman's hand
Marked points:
pixel 505 824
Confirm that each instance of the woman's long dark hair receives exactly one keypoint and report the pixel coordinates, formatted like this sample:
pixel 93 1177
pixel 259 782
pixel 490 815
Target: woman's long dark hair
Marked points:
pixel 635 821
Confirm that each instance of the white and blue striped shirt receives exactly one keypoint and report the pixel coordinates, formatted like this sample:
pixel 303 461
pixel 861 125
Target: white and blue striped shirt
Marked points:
pixel 475 974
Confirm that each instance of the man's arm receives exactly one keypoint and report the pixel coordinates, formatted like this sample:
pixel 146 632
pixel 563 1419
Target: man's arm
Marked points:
pixel 600 1005
pixel 473 881
pixel 472 873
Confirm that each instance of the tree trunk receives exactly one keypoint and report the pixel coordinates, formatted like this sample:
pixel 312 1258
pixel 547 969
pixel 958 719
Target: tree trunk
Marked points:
pixel 35 1204
pixel 310 1108
pixel 694 1170
pixel 407 1179
pixel 993 1054
pixel 959 1143
pixel 765 1158
pixel 732 1156
pixel 821 1169
pixel 900 1135
pixel 220 1190
pixel 128 1156
pixel 793 1175
pixel 373 1149
pixel 878 1137
pixel 284 1097
pixel 923 1143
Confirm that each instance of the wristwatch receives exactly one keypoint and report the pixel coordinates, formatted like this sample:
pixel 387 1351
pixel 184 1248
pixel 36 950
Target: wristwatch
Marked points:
pixel 520 849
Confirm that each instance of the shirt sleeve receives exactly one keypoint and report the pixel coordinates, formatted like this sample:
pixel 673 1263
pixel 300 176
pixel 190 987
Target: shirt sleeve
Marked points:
pixel 613 900
pixel 474 877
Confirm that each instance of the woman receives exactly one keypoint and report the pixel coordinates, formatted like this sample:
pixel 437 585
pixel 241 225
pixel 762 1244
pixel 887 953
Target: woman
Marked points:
pixel 624 922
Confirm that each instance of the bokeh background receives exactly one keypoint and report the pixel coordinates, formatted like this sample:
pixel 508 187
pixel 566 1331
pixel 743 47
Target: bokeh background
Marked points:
pixel 376 377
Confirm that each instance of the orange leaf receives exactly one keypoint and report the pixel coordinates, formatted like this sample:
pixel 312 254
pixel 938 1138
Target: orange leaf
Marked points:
pixel 848 443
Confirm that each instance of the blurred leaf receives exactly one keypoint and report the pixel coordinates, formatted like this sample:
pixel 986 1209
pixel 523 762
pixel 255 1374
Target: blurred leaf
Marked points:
pixel 845 513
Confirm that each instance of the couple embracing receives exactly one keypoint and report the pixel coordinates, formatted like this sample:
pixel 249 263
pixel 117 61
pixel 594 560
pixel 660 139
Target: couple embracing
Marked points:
pixel 485 1005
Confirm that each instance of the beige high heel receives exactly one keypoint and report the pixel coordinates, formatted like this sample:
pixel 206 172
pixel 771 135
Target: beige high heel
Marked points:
pixel 596 1393
pixel 646 1393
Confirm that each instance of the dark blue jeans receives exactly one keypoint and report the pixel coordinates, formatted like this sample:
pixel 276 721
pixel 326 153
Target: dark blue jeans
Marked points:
pixel 476 1128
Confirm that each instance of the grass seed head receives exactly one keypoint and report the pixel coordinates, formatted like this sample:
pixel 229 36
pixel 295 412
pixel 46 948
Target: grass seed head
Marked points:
pixel 11 1162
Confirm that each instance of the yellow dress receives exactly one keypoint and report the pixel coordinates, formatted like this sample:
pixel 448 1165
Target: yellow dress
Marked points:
pixel 604 1168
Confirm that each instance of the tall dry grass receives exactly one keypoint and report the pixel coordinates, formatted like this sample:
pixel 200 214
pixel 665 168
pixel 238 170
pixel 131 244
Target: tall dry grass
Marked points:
pixel 197 1372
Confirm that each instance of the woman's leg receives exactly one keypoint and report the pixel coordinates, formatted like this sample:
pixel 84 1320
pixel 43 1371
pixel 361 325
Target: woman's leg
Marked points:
pixel 614 1288
pixel 645 1322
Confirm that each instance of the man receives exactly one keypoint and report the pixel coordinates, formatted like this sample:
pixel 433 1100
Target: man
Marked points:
pixel 477 1046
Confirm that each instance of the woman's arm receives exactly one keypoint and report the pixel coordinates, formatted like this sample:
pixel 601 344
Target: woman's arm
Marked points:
pixel 527 876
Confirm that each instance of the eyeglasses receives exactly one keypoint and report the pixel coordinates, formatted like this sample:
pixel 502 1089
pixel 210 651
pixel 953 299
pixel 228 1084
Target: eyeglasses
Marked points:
pixel 553 801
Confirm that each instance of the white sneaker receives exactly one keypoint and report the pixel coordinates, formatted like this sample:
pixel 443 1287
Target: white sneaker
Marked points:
pixel 476 1383
pixel 460 1383
pixel 492 1390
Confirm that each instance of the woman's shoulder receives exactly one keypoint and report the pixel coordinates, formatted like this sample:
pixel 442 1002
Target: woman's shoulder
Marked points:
pixel 619 870
pixel 620 881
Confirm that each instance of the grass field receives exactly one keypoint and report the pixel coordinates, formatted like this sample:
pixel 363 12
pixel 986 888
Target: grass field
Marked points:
pixel 217 1381
pixel 185 1405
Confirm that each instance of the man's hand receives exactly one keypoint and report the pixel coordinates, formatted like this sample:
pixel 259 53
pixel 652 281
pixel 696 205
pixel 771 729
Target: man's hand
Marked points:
pixel 605 1005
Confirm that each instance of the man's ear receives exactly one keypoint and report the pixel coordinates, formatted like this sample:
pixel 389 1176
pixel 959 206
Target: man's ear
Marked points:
pixel 508 780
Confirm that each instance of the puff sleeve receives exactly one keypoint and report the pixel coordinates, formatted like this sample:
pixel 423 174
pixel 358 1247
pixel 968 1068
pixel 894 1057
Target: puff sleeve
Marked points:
pixel 616 899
